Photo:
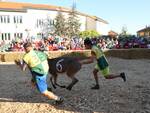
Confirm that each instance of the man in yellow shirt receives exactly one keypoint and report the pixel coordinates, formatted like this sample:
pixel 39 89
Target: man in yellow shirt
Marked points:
pixel 102 64
pixel 38 65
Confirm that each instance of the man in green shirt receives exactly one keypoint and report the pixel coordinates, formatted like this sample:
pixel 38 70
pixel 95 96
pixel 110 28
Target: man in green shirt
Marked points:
pixel 102 64
pixel 38 65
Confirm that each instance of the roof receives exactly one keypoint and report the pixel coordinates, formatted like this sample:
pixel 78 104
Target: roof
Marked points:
pixel 22 7
pixel 145 29
pixel 93 17
pixel 111 31
pixel 15 6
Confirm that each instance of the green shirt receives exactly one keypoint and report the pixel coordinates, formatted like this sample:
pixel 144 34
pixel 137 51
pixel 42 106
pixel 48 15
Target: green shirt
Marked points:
pixel 100 56
pixel 37 61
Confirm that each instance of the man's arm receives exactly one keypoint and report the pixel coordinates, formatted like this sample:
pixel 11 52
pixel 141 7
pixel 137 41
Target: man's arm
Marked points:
pixel 21 64
pixel 89 59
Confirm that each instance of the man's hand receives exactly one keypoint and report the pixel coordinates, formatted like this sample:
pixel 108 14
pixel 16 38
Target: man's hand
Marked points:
pixel 21 64
pixel 17 62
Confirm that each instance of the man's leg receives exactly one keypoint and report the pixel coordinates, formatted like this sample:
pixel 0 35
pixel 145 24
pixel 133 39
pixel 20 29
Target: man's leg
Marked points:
pixel 107 75
pixel 51 95
pixel 95 71
pixel 42 87
pixel 112 76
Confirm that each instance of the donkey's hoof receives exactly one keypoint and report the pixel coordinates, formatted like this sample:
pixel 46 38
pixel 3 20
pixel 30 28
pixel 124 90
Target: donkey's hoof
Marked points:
pixel 63 86
pixel 69 88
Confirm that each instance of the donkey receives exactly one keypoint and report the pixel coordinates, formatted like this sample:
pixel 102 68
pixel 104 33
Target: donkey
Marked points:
pixel 68 65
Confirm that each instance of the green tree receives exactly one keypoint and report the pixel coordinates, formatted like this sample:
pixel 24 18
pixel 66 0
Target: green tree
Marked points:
pixel 47 26
pixel 60 24
pixel 124 31
pixel 73 24
pixel 89 33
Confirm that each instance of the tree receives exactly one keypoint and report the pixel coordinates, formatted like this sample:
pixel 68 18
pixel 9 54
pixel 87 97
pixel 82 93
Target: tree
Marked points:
pixel 124 31
pixel 73 25
pixel 89 33
pixel 60 24
pixel 47 26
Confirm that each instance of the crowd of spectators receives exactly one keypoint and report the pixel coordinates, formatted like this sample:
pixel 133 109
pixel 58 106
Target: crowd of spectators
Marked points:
pixel 133 42
pixel 105 42
pixel 54 43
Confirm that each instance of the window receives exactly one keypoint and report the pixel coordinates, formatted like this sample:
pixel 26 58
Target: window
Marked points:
pixel 41 22
pixel 18 35
pixel 20 19
pixel 2 36
pixel 21 35
pixel 52 22
pixel 17 19
pixel 15 35
pixel 4 19
pixel 1 19
pixel 14 20
pixel 8 19
pixel 6 36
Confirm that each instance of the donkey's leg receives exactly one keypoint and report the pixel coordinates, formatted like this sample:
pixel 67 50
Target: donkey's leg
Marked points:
pixel 74 81
pixel 51 80
pixel 55 82
pixel 74 67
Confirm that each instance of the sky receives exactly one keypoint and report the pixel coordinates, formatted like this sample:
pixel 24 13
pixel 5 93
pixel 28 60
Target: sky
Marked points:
pixel 132 14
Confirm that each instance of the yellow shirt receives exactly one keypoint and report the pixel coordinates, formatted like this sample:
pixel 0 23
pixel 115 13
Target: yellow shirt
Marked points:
pixel 100 56
pixel 37 61
pixel 97 51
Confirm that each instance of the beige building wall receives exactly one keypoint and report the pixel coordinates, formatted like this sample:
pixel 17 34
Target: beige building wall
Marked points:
pixel 90 23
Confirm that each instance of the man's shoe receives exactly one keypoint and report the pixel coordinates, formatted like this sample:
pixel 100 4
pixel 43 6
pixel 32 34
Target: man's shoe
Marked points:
pixel 123 76
pixel 95 87
pixel 59 101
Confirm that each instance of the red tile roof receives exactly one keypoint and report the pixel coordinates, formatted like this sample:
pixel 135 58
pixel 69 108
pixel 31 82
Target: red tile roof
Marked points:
pixel 17 6
pixel 24 6
pixel 144 30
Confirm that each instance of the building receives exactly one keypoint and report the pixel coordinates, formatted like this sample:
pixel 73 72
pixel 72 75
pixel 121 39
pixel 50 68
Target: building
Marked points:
pixel 112 34
pixel 25 20
pixel 144 32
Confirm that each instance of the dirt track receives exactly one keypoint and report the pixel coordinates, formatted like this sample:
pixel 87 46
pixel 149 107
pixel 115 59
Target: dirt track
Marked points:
pixel 114 96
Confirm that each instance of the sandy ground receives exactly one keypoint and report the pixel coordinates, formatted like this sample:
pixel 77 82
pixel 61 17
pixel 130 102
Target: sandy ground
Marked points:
pixel 114 96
